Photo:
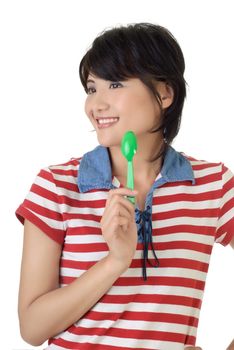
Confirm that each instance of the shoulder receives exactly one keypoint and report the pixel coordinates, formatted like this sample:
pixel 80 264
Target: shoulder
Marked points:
pixel 73 163
pixel 61 178
pixel 202 167
pixel 210 172
pixel 200 163
pixel 61 175
pixel 66 168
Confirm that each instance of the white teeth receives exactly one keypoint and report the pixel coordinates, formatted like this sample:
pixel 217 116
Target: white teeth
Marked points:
pixel 107 121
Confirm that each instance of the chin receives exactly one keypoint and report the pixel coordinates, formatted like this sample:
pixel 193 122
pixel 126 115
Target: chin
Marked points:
pixel 108 141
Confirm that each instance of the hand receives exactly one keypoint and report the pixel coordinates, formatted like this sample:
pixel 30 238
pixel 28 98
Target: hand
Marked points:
pixel 118 226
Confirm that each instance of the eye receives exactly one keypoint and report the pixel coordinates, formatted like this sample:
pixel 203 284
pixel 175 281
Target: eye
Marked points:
pixel 90 90
pixel 115 85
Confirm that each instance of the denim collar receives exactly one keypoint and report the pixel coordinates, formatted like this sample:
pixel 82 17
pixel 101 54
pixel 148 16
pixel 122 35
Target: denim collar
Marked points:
pixel 95 169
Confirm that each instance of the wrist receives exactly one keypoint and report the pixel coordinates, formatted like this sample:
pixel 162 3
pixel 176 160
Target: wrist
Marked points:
pixel 116 265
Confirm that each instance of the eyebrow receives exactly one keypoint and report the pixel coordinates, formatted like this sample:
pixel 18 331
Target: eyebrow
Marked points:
pixel 90 81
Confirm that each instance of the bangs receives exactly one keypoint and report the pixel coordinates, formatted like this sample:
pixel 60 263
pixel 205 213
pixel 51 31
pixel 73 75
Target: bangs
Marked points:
pixel 109 59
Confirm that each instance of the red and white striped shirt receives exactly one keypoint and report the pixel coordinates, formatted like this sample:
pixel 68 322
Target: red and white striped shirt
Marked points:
pixel 190 206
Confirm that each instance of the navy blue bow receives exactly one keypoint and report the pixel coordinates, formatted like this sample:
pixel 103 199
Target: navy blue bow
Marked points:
pixel 143 219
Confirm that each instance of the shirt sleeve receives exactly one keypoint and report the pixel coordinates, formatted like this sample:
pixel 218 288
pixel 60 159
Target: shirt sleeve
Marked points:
pixel 43 207
pixel 225 224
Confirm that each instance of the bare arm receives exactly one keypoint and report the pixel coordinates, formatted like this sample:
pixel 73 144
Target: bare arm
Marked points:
pixel 45 309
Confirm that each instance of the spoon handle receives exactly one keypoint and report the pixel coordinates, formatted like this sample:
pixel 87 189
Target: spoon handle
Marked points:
pixel 130 180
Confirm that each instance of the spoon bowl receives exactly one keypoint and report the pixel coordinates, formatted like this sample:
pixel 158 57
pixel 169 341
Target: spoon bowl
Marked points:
pixel 129 145
pixel 128 149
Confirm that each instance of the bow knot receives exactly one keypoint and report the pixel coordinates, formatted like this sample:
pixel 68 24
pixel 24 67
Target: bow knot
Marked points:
pixel 143 216
pixel 143 219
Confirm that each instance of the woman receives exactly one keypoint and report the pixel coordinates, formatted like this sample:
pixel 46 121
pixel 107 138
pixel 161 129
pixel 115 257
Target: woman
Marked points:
pixel 97 272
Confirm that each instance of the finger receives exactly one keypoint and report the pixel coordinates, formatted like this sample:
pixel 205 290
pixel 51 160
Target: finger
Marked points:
pixel 125 228
pixel 192 348
pixel 118 204
pixel 123 191
pixel 119 221
pixel 119 199
pixel 116 199
pixel 115 210
pixel 121 210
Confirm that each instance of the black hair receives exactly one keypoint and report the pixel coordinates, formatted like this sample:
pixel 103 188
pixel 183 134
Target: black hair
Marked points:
pixel 145 51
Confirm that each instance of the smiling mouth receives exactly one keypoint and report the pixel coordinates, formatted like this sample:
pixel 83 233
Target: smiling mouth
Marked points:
pixel 106 122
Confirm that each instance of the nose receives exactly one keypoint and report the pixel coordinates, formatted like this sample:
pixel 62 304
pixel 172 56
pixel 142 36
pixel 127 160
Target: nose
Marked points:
pixel 100 103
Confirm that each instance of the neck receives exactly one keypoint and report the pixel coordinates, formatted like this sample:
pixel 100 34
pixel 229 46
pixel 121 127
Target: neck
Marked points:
pixel 146 167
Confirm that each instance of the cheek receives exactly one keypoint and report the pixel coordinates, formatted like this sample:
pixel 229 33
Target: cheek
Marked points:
pixel 143 106
pixel 126 105
pixel 150 106
pixel 87 108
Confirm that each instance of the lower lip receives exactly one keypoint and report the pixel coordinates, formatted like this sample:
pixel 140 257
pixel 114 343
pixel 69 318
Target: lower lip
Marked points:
pixel 106 125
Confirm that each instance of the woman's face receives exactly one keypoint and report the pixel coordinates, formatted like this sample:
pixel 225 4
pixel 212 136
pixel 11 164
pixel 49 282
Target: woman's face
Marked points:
pixel 131 104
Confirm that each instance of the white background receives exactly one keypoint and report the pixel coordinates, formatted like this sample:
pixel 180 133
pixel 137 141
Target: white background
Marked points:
pixel 43 121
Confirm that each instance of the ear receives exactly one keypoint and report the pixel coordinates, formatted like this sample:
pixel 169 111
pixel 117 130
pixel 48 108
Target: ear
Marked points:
pixel 167 94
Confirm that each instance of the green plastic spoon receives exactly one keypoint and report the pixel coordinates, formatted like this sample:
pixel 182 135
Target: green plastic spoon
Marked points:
pixel 128 149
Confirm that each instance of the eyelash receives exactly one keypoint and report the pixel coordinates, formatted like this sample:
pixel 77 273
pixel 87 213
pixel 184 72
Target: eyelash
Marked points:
pixel 92 89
